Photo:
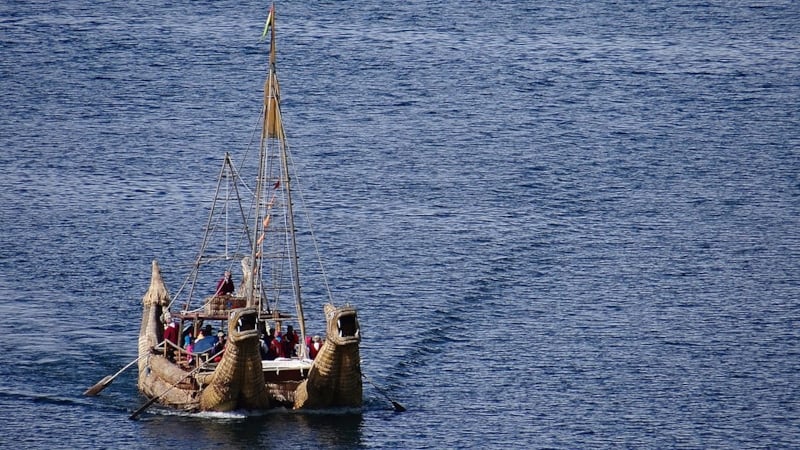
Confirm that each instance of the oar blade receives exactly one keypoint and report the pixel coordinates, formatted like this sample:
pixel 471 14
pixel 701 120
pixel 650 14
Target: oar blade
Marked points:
pixel 398 407
pixel 102 384
pixel 136 413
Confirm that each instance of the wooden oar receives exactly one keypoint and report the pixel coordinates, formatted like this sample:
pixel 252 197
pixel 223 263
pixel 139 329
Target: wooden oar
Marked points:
pixel 397 406
pixel 157 397
pixel 108 379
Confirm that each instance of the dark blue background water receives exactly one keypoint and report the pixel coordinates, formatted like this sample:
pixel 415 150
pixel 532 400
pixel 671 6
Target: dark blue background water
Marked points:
pixel 564 225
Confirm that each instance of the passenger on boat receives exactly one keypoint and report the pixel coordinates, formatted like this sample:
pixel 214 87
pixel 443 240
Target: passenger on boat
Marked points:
pixel 220 346
pixel 276 347
pixel 268 345
pixel 315 347
pixel 187 336
pixel 263 342
pixel 225 285
pixel 290 341
pixel 205 341
pixel 170 334
pixel 188 345
pixel 221 340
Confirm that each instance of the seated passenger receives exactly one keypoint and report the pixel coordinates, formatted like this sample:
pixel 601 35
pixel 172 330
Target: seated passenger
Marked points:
pixel 205 342
pixel 219 346
pixel 315 347
pixel 263 347
pixel 221 340
pixel 290 341
pixel 225 285
pixel 269 338
pixel 188 344
pixel 276 346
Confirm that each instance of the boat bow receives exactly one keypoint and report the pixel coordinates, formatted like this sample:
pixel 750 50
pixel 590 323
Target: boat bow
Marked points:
pixel 335 376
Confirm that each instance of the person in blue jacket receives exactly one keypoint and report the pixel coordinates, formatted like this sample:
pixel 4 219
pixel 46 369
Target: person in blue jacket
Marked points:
pixel 205 341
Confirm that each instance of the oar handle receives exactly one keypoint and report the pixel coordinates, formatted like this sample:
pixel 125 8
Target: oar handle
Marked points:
pixel 127 366
pixel 157 347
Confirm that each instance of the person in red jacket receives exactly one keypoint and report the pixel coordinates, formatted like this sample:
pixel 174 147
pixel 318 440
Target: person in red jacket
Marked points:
pixel 276 346
pixel 225 285
pixel 315 347
pixel 290 341
pixel 170 334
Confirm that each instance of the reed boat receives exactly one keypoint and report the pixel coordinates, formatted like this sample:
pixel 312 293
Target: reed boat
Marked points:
pixel 264 356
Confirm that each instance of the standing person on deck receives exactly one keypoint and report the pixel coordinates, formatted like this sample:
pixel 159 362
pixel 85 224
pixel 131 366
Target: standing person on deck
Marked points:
pixel 170 335
pixel 225 285
pixel 276 349
pixel 290 341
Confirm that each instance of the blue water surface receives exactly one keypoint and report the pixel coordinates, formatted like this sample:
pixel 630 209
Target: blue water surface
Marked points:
pixel 564 224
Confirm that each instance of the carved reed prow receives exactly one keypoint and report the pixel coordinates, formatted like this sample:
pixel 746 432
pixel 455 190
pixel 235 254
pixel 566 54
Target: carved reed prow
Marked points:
pixel 335 377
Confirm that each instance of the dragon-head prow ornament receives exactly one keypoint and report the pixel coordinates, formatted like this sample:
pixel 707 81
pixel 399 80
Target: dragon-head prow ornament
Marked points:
pixel 242 324
pixel 342 325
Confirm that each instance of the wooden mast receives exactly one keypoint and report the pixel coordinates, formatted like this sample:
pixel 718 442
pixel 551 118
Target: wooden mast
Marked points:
pixel 286 180
pixel 273 128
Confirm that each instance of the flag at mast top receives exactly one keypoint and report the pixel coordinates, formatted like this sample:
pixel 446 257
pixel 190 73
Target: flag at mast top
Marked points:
pixel 268 23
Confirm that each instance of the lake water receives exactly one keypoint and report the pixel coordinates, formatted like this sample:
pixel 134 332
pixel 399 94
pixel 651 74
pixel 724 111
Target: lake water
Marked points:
pixel 564 224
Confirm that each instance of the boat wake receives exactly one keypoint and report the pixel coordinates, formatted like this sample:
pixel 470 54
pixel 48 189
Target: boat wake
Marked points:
pixel 238 415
